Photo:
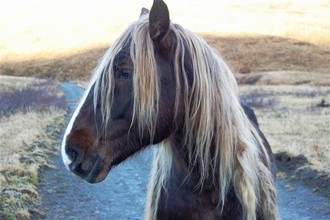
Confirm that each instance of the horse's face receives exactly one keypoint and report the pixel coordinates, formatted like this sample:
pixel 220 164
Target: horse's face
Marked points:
pixel 91 147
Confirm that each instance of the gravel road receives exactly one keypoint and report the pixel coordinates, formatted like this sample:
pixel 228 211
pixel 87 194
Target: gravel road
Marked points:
pixel 122 195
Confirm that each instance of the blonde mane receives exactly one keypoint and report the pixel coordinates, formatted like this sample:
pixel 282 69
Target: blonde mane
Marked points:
pixel 213 116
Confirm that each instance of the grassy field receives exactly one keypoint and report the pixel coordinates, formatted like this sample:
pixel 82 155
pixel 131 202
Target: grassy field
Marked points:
pixel 294 119
pixel 249 54
pixel 31 116
pixel 56 41
pixel 38 27
pixel 279 51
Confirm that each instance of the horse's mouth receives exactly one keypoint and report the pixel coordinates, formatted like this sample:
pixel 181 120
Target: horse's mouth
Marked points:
pixel 98 173
pixel 91 177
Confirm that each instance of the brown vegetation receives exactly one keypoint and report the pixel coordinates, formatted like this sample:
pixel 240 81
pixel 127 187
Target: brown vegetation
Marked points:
pixel 295 119
pixel 244 54
pixel 269 53
pixel 28 136
pixel 253 36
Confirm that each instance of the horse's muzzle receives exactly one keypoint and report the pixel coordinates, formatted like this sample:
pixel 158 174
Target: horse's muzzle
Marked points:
pixel 76 156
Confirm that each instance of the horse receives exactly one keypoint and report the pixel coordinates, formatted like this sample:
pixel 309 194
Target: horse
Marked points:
pixel 161 86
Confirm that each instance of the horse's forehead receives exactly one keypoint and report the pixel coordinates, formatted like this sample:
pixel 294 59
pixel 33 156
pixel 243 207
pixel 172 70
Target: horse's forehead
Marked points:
pixel 124 53
pixel 123 60
pixel 122 56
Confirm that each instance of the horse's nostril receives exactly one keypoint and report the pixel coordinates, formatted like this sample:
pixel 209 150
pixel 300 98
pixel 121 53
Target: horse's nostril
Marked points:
pixel 76 155
pixel 72 154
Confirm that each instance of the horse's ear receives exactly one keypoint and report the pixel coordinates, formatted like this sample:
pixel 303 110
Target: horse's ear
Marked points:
pixel 159 21
pixel 144 11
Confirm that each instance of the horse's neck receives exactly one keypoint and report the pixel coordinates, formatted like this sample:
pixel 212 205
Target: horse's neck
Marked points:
pixel 182 172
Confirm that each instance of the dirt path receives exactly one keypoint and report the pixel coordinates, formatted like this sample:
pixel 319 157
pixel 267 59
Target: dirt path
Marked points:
pixel 122 195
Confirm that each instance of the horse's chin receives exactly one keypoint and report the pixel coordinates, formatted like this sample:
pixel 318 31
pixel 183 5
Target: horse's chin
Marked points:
pixel 98 173
pixel 96 179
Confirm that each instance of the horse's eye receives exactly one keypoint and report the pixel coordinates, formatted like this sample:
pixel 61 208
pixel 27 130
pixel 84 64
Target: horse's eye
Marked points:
pixel 125 73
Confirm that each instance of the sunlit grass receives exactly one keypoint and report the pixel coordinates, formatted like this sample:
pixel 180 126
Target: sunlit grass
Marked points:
pixel 25 143
pixel 292 121
pixel 35 27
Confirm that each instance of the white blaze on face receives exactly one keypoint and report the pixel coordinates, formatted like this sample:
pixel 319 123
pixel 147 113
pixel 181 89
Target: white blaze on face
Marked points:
pixel 65 157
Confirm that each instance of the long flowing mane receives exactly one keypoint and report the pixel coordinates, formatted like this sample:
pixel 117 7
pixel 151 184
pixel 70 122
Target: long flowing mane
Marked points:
pixel 213 117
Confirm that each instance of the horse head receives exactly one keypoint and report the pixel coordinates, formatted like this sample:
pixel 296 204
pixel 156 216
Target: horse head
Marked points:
pixel 126 107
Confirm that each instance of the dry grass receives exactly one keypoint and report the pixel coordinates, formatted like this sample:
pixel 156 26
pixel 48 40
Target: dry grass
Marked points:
pixel 253 36
pixel 25 145
pixel 68 67
pixel 11 83
pixel 247 54
pixel 52 27
pixel 285 78
pixel 292 121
